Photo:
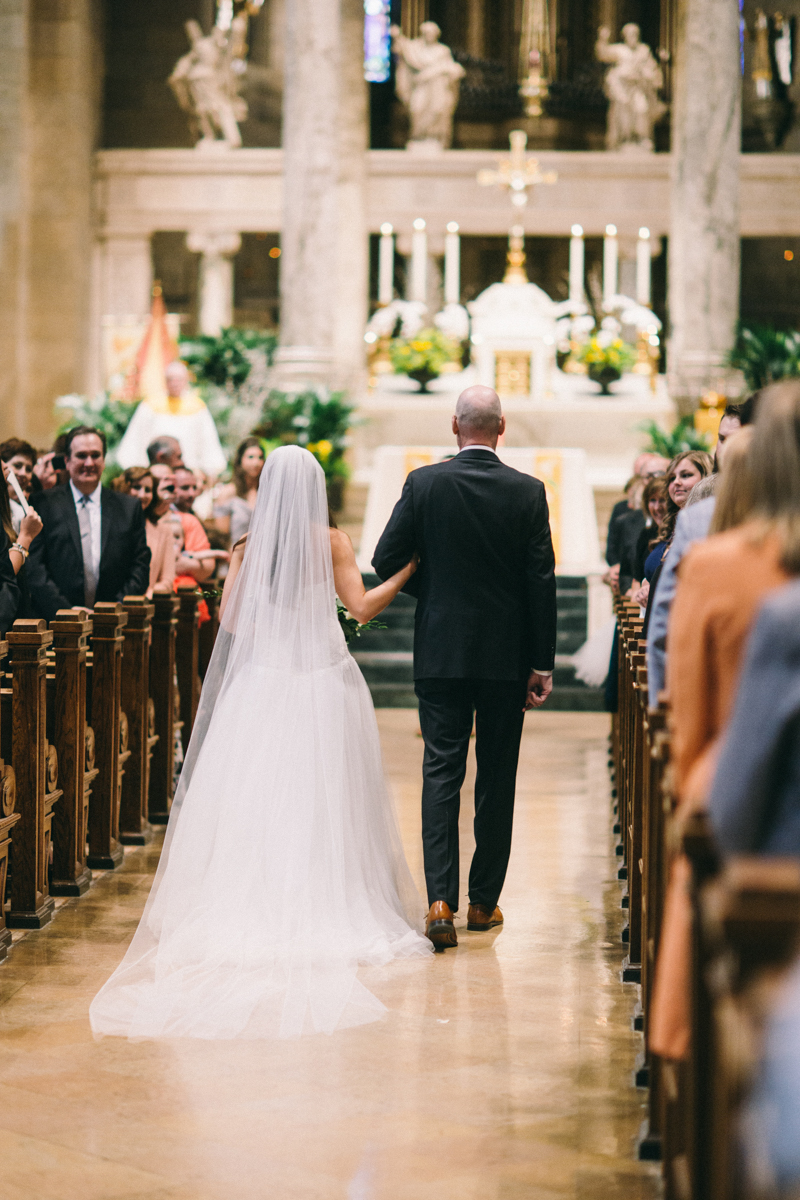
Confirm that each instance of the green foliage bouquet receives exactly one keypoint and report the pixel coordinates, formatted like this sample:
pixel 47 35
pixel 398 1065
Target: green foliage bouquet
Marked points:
pixel 226 361
pixel 423 356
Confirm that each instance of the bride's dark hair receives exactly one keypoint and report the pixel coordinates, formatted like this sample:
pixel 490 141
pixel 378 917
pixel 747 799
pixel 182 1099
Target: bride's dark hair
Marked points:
pixel 331 519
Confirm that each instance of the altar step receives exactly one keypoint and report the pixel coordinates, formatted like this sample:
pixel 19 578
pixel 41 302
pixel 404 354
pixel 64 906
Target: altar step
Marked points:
pixel 386 655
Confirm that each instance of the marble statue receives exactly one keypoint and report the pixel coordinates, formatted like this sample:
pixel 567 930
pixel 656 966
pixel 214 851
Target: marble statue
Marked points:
pixel 632 85
pixel 206 82
pixel 428 82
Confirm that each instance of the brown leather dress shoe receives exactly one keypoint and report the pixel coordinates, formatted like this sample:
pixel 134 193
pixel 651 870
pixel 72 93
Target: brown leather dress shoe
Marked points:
pixel 439 926
pixel 480 918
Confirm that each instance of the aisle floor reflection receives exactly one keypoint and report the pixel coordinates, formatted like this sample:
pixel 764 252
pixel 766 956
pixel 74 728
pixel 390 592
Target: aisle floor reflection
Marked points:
pixel 503 1071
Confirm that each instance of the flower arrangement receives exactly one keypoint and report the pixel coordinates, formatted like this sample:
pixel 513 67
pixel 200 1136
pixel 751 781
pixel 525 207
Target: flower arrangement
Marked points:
pixel 423 356
pixel 606 359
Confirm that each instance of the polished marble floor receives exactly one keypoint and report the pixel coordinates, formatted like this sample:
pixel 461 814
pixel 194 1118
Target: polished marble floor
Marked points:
pixel 503 1071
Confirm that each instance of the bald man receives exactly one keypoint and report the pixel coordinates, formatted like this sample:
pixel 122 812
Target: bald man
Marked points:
pixel 484 646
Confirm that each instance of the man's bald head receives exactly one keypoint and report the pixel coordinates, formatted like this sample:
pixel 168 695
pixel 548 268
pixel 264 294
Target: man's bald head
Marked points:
pixel 479 417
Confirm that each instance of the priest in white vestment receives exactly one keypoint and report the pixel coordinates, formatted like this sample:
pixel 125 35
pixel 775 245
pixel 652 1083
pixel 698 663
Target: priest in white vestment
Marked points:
pixel 179 413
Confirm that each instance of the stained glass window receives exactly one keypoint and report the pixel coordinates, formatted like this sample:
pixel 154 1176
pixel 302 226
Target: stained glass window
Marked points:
pixel 377 43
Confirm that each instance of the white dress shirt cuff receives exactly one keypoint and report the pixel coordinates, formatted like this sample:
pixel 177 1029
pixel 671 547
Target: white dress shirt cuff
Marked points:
pixel 541 672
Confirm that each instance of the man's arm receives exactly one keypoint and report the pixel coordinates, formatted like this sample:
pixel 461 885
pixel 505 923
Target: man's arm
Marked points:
pixel 138 580
pixel 396 545
pixel 46 596
pixel 541 589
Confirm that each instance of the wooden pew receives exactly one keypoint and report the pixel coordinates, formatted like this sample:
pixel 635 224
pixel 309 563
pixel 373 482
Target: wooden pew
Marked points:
pixel 35 764
pixel 8 817
pixel 73 739
pixel 187 658
pixel 162 694
pixel 748 921
pixel 140 712
pixel 110 727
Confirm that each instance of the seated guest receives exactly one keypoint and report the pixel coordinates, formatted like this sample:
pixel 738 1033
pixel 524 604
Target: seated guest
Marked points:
pixel 166 450
pixel 685 470
pixel 731 421
pixel 14 550
pixel 235 502
pixel 646 466
pixel 21 457
pixel 186 489
pixel 93 545
pixel 755 799
pixel 771 1124
pixel 191 540
pixel 654 507
pixel 139 482
pixel 723 582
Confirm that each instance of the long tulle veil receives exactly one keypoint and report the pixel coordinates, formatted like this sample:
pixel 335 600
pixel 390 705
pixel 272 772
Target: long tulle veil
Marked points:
pixel 282 867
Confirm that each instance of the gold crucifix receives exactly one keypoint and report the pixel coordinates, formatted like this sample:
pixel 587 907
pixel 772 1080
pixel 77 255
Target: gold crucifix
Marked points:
pixel 518 172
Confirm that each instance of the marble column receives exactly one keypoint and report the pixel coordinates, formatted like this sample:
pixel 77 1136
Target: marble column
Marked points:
pixel 703 267
pixel 51 72
pixel 215 308
pixel 126 275
pixel 324 243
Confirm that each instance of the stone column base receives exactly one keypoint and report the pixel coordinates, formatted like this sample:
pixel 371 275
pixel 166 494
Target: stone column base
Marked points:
pixel 299 367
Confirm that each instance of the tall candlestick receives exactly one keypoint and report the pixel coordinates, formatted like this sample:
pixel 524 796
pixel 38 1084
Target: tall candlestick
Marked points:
pixel 643 267
pixel 419 262
pixel 576 265
pixel 386 265
pixel 610 263
pixel 452 265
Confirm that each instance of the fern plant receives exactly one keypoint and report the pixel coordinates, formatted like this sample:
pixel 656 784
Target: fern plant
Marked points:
pixel 680 438
pixel 764 354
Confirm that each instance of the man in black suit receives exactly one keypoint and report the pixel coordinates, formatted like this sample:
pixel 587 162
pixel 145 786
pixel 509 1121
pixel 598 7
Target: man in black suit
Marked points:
pixel 93 545
pixel 484 645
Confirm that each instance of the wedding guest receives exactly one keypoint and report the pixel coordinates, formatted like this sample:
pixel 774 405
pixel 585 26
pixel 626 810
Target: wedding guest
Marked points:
pixel 186 489
pixel 139 482
pixel 723 582
pixel 50 468
pixel 654 507
pixel 731 421
pixel 236 501
pixel 685 470
pixel 193 565
pixel 165 450
pixel 93 545
pixel 21 457
pixel 755 798
pixel 14 550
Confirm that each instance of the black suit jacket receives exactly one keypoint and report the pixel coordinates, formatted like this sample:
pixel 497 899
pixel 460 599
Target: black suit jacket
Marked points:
pixel 55 565
pixel 485 584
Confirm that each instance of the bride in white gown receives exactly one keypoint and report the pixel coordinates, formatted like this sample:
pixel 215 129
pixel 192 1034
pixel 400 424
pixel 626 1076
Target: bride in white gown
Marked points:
pixel 282 868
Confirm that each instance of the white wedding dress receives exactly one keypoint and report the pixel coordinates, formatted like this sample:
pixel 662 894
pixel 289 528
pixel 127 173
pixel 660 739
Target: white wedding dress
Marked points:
pixel 282 868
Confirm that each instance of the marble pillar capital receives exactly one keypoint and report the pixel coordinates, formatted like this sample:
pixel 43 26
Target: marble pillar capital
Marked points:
pixel 213 244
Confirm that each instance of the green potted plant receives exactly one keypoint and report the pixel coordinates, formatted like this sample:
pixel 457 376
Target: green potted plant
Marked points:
pixel 423 356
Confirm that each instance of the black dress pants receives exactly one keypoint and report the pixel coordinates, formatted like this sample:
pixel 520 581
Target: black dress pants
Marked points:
pixel 446 708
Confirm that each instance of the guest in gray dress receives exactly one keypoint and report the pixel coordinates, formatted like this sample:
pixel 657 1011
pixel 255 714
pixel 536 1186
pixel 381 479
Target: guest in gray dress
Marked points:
pixel 233 508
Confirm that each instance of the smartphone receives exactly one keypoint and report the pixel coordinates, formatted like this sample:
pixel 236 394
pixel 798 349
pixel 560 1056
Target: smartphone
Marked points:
pixel 59 462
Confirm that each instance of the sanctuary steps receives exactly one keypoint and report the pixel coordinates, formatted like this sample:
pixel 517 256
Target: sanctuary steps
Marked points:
pixel 385 656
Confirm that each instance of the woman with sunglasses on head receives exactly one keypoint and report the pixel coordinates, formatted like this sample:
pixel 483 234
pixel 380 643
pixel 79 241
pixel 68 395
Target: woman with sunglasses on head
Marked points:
pixel 140 482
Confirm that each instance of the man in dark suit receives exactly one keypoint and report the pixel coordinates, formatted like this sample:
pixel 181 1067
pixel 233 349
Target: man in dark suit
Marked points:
pixel 93 545
pixel 484 645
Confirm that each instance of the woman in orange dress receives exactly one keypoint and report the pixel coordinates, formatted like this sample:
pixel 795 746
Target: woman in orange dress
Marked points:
pixel 754 548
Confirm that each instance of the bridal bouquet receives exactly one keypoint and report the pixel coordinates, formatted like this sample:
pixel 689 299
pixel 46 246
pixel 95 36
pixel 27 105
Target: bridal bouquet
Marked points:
pixel 350 626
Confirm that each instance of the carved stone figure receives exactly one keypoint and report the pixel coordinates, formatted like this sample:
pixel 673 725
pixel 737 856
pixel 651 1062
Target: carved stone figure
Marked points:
pixel 632 86
pixel 428 81
pixel 206 82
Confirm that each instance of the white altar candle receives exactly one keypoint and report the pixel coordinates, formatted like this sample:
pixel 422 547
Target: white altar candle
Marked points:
pixel 643 267
pixel 452 265
pixel 610 261
pixel 576 265
pixel 386 265
pixel 419 262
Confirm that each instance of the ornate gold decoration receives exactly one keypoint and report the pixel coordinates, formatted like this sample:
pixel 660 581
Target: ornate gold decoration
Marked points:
pixel 512 372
